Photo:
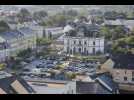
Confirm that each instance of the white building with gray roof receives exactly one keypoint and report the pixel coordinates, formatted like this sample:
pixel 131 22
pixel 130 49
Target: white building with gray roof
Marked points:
pixel 83 39
pixel 14 41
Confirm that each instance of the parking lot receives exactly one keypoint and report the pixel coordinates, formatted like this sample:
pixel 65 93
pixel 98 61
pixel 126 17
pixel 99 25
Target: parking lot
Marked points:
pixel 82 67
pixel 43 66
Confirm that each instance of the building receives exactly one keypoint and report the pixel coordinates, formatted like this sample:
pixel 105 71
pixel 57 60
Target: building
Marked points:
pixel 128 23
pixel 14 41
pixel 35 27
pixel 11 84
pixel 121 67
pixel 53 32
pixel 48 86
pixel 123 72
pixel 15 25
pixel 101 84
pixel 83 39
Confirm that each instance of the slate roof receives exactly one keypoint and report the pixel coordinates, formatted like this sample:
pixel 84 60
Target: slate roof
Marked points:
pixel 125 61
pixel 106 80
pixel 102 84
pixel 90 88
pixel 10 35
pixel 5 84
pixel 26 31
pixel 85 28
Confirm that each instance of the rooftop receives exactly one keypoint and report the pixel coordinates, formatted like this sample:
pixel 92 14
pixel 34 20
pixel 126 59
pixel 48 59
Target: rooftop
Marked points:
pixel 90 88
pixel 48 86
pixel 26 31
pixel 124 61
pixel 10 35
pixel 13 84
pixel 107 82
pixel 82 29
pixel 2 40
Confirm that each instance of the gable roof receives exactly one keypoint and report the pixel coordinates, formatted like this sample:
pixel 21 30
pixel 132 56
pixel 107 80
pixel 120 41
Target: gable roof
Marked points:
pixel 109 63
pixel 9 83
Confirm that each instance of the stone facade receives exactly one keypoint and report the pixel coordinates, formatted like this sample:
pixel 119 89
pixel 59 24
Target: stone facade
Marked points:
pixel 125 79
pixel 83 45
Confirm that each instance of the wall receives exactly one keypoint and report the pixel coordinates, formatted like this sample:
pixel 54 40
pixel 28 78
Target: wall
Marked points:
pixel 99 44
pixel 119 74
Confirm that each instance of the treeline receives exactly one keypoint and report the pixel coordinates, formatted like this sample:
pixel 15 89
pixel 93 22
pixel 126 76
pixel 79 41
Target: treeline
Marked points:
pixel 123 45
pixel 115 15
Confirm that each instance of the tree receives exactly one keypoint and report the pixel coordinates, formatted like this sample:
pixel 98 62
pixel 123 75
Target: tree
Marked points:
pixel 24 15
pixel 4 26
pixel 40 14
pixel 123 45
pixel 70 75
pixel 105 31
pixel 110 15
pixel 118 32
pixel 72 13
pixel 24 12
pixel 2 66
pixel 24 53
pixel 44 41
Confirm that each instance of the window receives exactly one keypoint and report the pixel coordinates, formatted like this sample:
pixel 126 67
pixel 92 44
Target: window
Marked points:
pixel 72 91
pixel 67 49
pixel 85 42
pixel 79 42
pixel 93 50
pixel 74 42
pixel 94 43
pixel 132 79
pixel 84 49
pixel 125 78
pixel 70 51
pixel 79 50
pixel 74 50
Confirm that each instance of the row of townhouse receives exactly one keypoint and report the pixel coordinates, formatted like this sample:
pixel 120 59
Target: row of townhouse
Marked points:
pixel 12 42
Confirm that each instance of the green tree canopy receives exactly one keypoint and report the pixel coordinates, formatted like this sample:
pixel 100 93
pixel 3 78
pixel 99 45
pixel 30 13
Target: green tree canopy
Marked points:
pixel 40 14
pixel 4 26
pixel 123 45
